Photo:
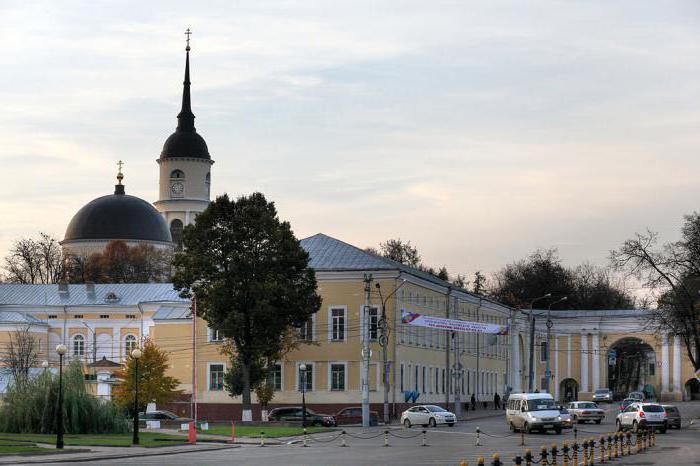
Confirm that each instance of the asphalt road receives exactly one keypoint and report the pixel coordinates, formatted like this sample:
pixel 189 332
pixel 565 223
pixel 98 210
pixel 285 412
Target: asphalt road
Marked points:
pixel 446 446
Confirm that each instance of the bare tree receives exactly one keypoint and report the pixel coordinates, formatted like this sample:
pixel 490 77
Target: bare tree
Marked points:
pixel 34 261
pixel 672 271
pixel 21 354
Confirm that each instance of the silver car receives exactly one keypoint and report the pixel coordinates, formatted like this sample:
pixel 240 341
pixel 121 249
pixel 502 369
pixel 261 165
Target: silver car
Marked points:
pixel 582 411
pixel 603 394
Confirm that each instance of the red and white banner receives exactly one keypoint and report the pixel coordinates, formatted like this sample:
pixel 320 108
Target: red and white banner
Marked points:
pixel 421 320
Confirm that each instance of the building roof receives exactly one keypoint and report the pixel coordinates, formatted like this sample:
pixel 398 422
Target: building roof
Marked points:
pixel 172 312
pixel 125 294
pixel 11 317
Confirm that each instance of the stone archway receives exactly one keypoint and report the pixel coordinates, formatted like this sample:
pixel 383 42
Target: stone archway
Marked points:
pixel 692 390
pixel 568 390
pixel 631 366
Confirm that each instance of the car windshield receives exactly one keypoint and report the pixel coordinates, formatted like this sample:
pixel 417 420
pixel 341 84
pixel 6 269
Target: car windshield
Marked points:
pixel 540 404
pixel 587 405
pixel 671 409
pixel 563 410
pixel 652 409
pixel 602 392
pixel 436 409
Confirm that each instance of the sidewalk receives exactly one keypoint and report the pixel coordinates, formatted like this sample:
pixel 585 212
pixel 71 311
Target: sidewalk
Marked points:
pixel 107 453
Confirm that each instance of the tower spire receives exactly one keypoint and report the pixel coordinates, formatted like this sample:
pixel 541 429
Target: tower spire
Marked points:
pixel 185 119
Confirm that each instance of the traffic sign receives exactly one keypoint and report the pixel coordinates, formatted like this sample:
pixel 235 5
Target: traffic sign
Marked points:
pixel 548 374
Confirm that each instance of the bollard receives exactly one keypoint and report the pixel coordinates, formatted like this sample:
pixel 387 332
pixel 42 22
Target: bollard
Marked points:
pixel 496 460
pixel 639 441
pixel 192 433
pixel 478 437
pixel 565 454
pixel 305 439
pixel 543 455
pixel 425 443
pixel 601 442
pixel 629 443
pixel 233 432
pixel 585 452
pixel 386 438
pixel 647 439
pixel 262 439
pixel 616 438
pixel 464 463
pixel 610 448
pixel 522 438
pixel 518 460
pixel 591 452
pixel 653 438
pixel 342 439
pixel 574 459
pixel 528 457
pixel 554 453
pixel 575 436
pixel 480 461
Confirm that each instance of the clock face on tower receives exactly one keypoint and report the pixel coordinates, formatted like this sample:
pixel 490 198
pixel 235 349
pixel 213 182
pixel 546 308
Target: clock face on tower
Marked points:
pixel 177 189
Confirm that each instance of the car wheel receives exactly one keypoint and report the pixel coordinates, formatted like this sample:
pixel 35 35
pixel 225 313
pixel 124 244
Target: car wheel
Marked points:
pixel 407 423
pixel 557 430
pixel 526 428
pixel 619 426
pixel 598 421
pixel 635 427
pixel 451 424
pixel 431 422
pixel 663 430
pixel 512 427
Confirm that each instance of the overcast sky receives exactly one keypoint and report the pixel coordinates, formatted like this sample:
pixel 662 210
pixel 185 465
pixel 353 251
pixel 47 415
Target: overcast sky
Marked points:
pixel 480 131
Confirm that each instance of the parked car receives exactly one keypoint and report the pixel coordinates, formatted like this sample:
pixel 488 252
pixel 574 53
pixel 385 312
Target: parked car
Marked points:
pixel 642 415
pixel 566 422
pixel 163 416
pixel 427 415
pixel 673 416
pixel 353 415
pixel 295 414
pixel 625 403
pixel 637 396
pixel 582 411
pixel 533 411
pixel 603 394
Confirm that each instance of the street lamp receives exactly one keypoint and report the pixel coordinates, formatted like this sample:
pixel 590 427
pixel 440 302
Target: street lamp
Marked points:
pixel 302 369
pixel 531 368
pixel 61 350
pixel 548 371
pixel 45 365
pixel 384 342
pixel 136 354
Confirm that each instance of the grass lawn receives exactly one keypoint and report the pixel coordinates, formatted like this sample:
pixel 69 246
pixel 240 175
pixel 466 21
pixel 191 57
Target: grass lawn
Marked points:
pixel 147 439
pixel 14 447
pixel 270 431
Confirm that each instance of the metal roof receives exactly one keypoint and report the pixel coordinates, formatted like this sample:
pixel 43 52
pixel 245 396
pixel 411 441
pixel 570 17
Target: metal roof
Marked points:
pixel 127 294
pixel 9 317
pixel 172 312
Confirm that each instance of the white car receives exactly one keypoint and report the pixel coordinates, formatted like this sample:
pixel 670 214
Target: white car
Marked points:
pixel 641 416
pixel 427 415
pixel 582 411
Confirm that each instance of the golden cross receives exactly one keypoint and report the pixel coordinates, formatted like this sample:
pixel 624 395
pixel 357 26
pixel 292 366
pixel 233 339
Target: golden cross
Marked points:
pixel 188 33
pixel 120 164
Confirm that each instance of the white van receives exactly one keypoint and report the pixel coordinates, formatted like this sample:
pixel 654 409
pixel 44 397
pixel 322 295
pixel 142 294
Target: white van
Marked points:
pixel 533 411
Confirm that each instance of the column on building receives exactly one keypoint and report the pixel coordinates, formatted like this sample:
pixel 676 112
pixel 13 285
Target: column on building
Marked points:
pixel 595 350
pixel 664 364
pixel 584 362
pixel 555 381
pixel 568 356
pixel 677 383
pixel 517 365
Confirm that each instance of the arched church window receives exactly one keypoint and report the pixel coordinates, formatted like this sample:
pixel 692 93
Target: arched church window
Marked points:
pixel 207 181
pixel 78 345
pixel 129 344
pixel 177 174
pixel 176 233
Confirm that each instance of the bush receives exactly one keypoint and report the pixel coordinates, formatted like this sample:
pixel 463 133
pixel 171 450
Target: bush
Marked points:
pixel 31 404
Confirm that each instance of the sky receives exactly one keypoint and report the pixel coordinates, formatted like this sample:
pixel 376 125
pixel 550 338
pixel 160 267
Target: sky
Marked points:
pixel 478 130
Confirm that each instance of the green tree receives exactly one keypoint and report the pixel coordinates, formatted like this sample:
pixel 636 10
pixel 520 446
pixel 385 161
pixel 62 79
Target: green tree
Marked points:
pixel 154 385
pixel 250 276
pixel 400 251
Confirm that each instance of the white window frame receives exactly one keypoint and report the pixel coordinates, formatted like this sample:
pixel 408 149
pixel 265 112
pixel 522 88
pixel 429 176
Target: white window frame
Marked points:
pixel 74 338
pixel 209 364
pixel 128 351
pixel 313 327
pixel 281 364
pixel 313 375
pixel 362 321
pixel 345 323
pixel 330 375
pixel 210 336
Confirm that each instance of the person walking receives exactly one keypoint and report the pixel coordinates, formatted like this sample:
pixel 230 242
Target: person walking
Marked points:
pixel 473 402
pixel 496 401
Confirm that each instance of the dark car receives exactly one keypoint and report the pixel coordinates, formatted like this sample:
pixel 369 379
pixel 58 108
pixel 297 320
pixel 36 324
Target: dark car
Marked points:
pixel 354 416
pixel 294 414
pixel 673 416
pixel 165 417
pixel 625 403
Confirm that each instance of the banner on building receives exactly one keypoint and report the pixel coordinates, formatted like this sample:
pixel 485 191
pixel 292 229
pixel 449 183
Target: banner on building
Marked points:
pixel 421 320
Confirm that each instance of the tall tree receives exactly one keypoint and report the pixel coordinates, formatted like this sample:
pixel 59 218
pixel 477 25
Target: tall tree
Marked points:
pixel 250 276
pixel 20 354
pixel 154 385
pixel 672 270
pixel 35 260
pixel 400 251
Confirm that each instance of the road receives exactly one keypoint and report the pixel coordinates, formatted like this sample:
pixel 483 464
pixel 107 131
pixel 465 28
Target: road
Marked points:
pixel 446 446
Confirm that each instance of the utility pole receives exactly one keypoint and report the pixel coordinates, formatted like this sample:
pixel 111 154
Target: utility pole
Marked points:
pixel 531 367
pixel 384 342
pixel 448 342
pixel 458 371
pixel 365 352
pixel 548 370
pixel 478 355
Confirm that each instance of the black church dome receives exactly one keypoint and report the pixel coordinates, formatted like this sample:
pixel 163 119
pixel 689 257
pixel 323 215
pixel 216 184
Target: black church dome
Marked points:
pixel 185 144
pixel 118 216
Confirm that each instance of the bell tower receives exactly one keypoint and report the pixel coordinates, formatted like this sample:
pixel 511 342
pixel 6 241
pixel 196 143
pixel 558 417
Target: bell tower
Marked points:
pixel 185 167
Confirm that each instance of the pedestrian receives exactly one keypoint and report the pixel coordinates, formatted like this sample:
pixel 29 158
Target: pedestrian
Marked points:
pixel 537 390
pixel 473 401
pixel 496 401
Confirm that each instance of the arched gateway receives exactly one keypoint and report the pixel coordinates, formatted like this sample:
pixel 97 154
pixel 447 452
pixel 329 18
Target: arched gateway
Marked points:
pixel 631 366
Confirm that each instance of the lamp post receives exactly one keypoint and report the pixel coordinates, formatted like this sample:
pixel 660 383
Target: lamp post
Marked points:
pixel 548 371
pixel 302 369
pixel 531 367
pixel 136 354
pixel 384 342
pixel 61 350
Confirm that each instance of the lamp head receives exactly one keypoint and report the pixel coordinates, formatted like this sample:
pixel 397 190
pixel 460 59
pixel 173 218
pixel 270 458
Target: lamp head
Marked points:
pixel 548 295
pixel 45 364
pixel 61 349
pixel 136 354
pixel 302 367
